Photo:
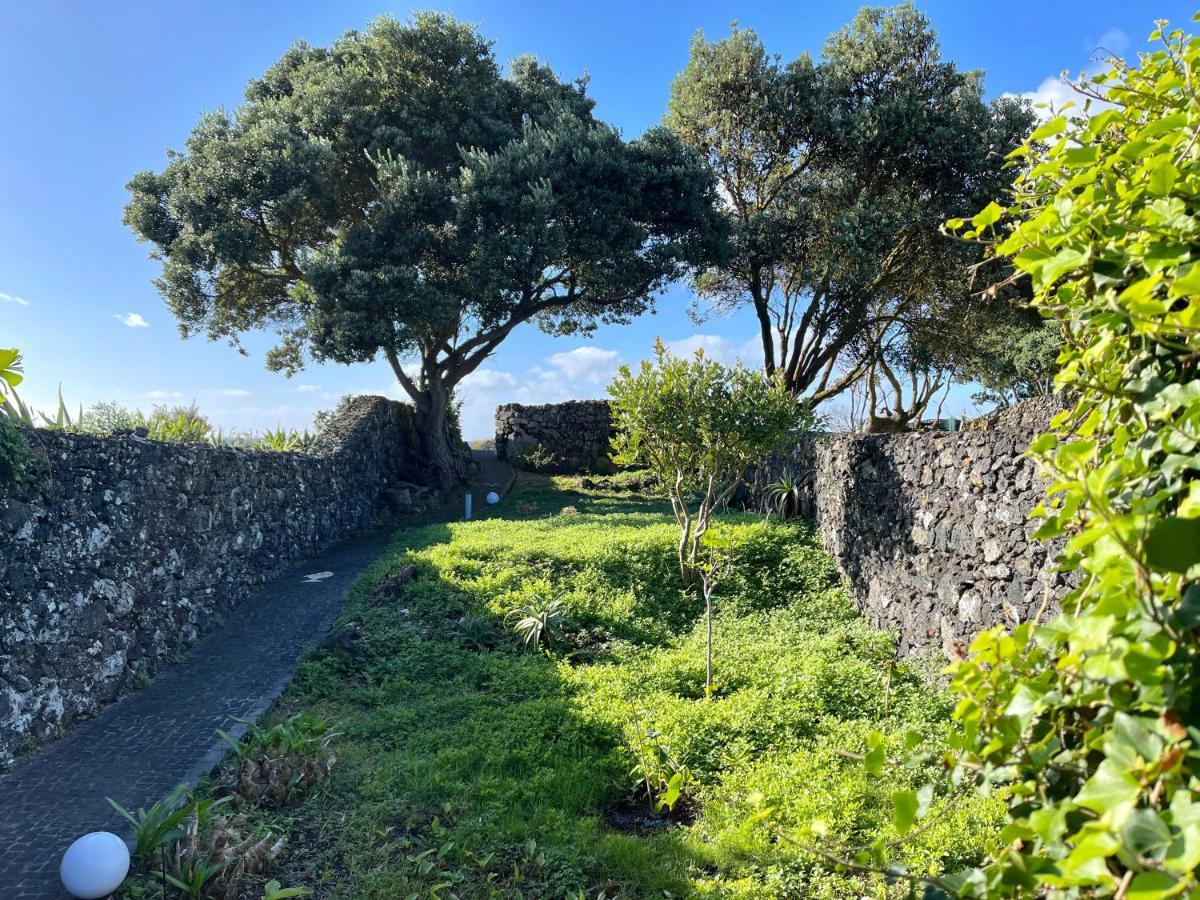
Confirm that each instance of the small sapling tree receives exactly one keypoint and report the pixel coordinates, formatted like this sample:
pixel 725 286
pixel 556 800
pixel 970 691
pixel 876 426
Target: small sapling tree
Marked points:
pixel 698 426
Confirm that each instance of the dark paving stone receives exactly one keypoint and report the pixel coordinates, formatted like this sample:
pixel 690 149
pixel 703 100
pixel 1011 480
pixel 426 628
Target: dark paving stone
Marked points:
pixel 138 749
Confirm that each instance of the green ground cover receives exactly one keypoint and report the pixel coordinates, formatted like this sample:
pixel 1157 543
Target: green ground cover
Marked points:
pixel 469 768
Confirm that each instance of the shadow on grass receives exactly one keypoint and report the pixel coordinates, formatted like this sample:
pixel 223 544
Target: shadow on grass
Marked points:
pixel 464 762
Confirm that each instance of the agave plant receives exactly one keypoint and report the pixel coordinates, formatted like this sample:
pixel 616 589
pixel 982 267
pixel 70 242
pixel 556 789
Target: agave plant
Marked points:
pixel 783 496
pixel 284 441
pixel 11 371
pixel 539 622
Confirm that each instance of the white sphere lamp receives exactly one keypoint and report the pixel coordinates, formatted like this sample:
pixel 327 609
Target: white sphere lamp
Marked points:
pixel 493 497
pixel 94 866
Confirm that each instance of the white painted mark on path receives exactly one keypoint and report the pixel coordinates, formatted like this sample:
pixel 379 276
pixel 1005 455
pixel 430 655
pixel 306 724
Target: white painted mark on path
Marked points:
pixel 317 576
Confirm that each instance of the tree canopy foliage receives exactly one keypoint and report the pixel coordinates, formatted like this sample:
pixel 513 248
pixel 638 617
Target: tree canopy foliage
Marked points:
pixel 397 193
pixel 836 177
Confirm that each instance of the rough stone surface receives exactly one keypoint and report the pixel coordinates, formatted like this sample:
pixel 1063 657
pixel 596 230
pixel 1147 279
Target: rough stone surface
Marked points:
pixel 138 749
pixel 931 528
pixel 564 438
pixel 124 551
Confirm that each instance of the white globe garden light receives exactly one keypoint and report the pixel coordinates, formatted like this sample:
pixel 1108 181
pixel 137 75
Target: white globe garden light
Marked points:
pixel 95 865
pixel 493 497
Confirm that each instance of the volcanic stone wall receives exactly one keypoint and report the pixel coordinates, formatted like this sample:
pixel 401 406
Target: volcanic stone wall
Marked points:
pixel 563 438
pixel 932 528
pixel 123 550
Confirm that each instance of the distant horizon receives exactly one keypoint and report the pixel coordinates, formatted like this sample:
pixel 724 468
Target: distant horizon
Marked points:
pixel 89 96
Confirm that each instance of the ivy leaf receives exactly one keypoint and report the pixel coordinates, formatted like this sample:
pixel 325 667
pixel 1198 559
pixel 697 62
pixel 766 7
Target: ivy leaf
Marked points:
pixel 1173 544
pixel 1162 178
pixel 989 215
pixel 1057 125
pixel 1146 835
pixel 1109 789
pixel 904 811
pixel 1150 886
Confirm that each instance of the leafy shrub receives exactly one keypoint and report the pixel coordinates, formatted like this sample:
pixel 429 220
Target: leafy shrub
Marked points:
pixel 171 424
pixel 697 426
pixel 1091 718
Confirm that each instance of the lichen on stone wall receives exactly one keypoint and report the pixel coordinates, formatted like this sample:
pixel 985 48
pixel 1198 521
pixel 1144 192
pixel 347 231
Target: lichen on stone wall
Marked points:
pixel 122 550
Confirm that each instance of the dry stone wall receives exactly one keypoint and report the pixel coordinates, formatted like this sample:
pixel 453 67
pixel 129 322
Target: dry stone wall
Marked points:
pixel 124 550
pixel 563 438
pixel 932 528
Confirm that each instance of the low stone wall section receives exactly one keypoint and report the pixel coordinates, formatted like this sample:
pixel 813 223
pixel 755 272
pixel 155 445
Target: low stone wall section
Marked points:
pixel 562 438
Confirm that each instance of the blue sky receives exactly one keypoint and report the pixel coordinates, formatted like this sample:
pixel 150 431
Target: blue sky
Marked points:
pixel 91 93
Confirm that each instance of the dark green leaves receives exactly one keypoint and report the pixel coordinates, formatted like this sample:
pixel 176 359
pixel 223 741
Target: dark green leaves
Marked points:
pixel 1173 544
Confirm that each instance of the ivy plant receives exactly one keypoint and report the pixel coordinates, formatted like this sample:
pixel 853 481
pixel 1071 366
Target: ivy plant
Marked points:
pixel 1091 720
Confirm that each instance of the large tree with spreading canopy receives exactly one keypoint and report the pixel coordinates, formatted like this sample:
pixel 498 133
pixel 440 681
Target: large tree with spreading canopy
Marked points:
pixel 836 176
pixel 399 194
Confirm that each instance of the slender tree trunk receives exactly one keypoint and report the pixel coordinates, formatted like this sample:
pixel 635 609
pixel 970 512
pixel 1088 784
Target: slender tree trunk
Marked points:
pixel 709 587
pixel 708 647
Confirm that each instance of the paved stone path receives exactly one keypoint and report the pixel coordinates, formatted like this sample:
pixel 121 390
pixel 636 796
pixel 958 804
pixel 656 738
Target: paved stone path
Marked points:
pixel 493 475
pixel 138 749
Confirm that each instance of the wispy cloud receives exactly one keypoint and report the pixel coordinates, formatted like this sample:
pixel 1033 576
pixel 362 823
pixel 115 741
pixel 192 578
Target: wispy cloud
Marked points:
pixel 163 395
pixel 720 348
pixel 132 320
pixel 1055 92
pixel 233 392
pixel 307 388
pixel 13 298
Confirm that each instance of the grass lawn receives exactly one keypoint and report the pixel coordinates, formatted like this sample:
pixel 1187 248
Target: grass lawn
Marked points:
pixel 469 768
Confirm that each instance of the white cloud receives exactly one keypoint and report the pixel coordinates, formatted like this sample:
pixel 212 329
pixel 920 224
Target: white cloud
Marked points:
pixel 13 298
pixel 307 388
pixel 719 348
pixel 591 364
pixel 163 395
pixel 132 320
pixel 1113 42
pixel 489 380
pixel 1054 93
pixel 233 392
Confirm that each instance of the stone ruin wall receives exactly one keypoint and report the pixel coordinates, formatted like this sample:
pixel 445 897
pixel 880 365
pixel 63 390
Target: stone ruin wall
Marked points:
pixel 562 438
pixel 931 528
pixel 122 551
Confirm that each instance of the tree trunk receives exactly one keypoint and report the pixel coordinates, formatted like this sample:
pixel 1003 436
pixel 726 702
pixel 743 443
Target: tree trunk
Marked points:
pixel 435 437
pixel 431 398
